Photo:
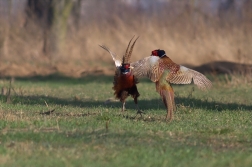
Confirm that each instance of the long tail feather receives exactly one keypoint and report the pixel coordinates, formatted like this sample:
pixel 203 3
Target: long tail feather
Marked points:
pixel 113 55
pixel 127 57
pixel 126 53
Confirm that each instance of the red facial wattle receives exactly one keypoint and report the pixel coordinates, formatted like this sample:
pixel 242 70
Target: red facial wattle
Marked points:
pixel 154 53
pixel 125 68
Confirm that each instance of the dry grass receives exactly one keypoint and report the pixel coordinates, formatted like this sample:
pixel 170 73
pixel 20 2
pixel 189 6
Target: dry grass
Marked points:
pixel 188 38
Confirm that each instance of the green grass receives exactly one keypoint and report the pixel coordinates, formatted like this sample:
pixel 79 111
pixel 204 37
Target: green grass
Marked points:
pixel 210 129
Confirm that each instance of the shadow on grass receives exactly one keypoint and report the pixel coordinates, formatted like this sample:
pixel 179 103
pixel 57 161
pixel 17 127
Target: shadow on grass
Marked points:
pixel 143 104
pixel 212 105
pixel 60 78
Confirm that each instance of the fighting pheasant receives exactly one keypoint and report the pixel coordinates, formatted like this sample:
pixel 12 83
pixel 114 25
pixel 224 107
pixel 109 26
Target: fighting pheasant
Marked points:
pixel 124 81
pixel 163 71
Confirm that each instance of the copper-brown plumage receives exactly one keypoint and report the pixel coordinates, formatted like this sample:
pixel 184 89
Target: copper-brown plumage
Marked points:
pixel 124 86
pixel 163 71
pixel 124 81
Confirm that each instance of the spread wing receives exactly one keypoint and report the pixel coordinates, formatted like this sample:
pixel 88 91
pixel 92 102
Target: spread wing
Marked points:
pixel 185 76
pixel 153 67
pixel 146 67
pixel 113 55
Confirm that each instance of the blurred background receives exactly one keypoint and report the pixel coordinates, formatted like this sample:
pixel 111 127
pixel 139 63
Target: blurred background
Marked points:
pixel 40 37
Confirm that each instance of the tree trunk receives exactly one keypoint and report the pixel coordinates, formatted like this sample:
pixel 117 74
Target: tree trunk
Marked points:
pixel 52 16
pixel 4 41
pixel 77 13
pixel 58 31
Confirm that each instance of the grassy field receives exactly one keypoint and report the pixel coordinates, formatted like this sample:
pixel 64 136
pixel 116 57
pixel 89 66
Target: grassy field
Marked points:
pixel 87 128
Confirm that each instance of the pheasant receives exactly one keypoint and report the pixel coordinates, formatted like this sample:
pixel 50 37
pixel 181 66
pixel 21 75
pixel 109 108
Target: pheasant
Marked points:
pixel 124 81
pixel 163 71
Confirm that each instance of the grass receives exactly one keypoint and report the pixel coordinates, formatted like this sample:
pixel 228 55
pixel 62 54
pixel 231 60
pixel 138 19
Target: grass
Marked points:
pixel 86 129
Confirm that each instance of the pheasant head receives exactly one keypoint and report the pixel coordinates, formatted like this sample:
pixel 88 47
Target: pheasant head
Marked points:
pixel 125 68
pixel 158 52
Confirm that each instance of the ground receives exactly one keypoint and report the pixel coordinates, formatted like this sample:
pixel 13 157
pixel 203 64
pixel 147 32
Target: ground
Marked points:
pixel 57 120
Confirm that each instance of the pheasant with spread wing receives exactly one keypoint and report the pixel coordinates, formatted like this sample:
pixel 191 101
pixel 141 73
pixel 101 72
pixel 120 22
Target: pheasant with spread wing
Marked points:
pixel 124 81
pixel 164 72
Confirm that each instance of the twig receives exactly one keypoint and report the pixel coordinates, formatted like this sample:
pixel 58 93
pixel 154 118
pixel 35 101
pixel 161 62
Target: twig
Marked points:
pixel 47 112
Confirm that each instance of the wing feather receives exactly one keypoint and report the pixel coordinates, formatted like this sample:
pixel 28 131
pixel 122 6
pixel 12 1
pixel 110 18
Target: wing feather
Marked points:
pixel 146 67
pixel 185 76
